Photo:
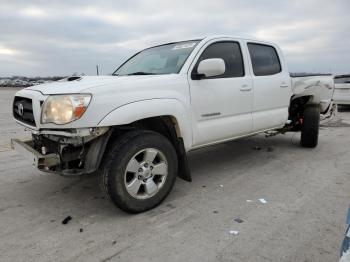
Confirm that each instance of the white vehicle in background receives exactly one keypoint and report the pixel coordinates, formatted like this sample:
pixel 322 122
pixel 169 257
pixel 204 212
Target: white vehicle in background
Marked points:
pixel 342 90
pixel 136 126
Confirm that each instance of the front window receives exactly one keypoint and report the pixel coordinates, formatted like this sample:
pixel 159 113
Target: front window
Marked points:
pixel 164 59
pixel 228 51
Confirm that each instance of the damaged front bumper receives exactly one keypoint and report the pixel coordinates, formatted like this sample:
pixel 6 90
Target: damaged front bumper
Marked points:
pixel 64 154
pixel 40 161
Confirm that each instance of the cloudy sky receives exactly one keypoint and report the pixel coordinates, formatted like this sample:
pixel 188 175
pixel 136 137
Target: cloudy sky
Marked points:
pixel 42 38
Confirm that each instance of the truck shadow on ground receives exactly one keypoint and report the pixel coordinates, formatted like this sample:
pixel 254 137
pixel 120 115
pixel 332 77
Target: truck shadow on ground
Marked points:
pixel 82 196
pixel 236 154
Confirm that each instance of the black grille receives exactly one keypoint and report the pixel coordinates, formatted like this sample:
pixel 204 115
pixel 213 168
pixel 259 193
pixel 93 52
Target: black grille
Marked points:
pixel 23 110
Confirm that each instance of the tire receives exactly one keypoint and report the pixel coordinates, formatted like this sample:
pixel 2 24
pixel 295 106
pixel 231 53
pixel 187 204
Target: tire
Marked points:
pixel 310 126
pixel 128 175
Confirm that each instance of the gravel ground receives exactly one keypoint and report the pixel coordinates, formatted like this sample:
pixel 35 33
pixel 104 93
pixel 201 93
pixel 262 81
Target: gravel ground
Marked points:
pixel 307 194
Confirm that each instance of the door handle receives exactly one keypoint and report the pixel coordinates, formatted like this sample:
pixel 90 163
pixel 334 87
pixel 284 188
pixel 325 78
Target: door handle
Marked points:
pixel 245 88
pixel 283 85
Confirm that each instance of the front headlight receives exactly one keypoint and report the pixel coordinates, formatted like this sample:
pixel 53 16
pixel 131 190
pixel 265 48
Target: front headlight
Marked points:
pixel 63 109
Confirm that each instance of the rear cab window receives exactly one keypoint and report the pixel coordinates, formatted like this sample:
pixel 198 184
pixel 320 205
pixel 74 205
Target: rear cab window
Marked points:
pixel 265 60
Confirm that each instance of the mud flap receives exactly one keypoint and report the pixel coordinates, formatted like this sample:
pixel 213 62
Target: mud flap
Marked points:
pixel 184 171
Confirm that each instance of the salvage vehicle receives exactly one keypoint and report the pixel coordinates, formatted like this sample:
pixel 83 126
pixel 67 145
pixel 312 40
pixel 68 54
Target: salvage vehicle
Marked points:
pixel 342 90
pixel 136 126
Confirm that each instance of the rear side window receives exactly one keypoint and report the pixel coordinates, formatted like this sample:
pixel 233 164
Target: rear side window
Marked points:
pixel 265 60
pixel 230 52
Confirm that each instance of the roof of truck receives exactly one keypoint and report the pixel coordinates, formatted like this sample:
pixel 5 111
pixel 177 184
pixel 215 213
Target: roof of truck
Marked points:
pixel 211 37
pixel 237 37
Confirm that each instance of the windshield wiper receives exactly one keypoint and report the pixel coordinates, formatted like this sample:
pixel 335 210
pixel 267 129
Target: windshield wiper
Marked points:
pixel 140 74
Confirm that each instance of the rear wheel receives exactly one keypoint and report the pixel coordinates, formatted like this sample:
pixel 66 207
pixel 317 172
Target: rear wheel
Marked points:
pixel 139 170
pixel 310 126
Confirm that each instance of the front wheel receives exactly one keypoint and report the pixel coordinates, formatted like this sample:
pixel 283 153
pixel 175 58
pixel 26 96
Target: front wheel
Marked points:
pixel 310 126
pixel 139 170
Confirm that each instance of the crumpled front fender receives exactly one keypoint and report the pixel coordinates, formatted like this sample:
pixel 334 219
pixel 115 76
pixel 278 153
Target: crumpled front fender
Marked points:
pixel 138 110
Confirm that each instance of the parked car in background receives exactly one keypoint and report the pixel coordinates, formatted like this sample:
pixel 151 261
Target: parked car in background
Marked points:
pixel 342 90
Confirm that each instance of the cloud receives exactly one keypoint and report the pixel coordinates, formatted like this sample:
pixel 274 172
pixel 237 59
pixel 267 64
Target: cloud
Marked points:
pixel 61 37
pixel 33 12
pixel 7 51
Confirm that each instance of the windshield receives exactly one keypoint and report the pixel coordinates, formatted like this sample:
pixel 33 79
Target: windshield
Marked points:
pixel 164 59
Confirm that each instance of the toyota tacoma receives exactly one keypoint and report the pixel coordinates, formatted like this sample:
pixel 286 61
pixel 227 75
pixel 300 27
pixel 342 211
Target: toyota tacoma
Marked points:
pixel 135 127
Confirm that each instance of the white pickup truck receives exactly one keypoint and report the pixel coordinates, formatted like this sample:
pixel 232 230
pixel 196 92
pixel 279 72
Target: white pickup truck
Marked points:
pixel 342 90
pixel 135 127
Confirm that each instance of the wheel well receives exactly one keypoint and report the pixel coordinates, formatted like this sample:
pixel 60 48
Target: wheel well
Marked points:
pixel 297 107
pixel 168 127
pixel 165 125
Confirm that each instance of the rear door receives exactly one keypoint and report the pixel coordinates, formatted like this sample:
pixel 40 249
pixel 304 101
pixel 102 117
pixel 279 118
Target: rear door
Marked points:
pixel 272 86
pixel 221 105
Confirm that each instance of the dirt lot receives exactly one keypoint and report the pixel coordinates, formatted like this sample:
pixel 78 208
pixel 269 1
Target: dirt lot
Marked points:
pixel 307 194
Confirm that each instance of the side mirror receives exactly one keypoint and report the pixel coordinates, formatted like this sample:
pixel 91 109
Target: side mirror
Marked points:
pixel 211 67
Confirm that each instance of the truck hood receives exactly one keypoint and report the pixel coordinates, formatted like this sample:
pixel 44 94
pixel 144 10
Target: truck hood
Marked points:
pixel 86 84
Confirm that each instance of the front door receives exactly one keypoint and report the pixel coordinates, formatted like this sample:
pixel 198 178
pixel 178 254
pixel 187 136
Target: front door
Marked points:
pixel 222 105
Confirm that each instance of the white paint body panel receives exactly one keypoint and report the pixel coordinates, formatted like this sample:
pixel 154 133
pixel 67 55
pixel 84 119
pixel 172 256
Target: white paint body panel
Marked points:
pixel 271 97
pixel 207 111
pixel 320 88
pixel 220 109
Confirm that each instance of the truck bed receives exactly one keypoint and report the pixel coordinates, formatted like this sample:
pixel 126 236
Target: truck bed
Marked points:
pixel 319 86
